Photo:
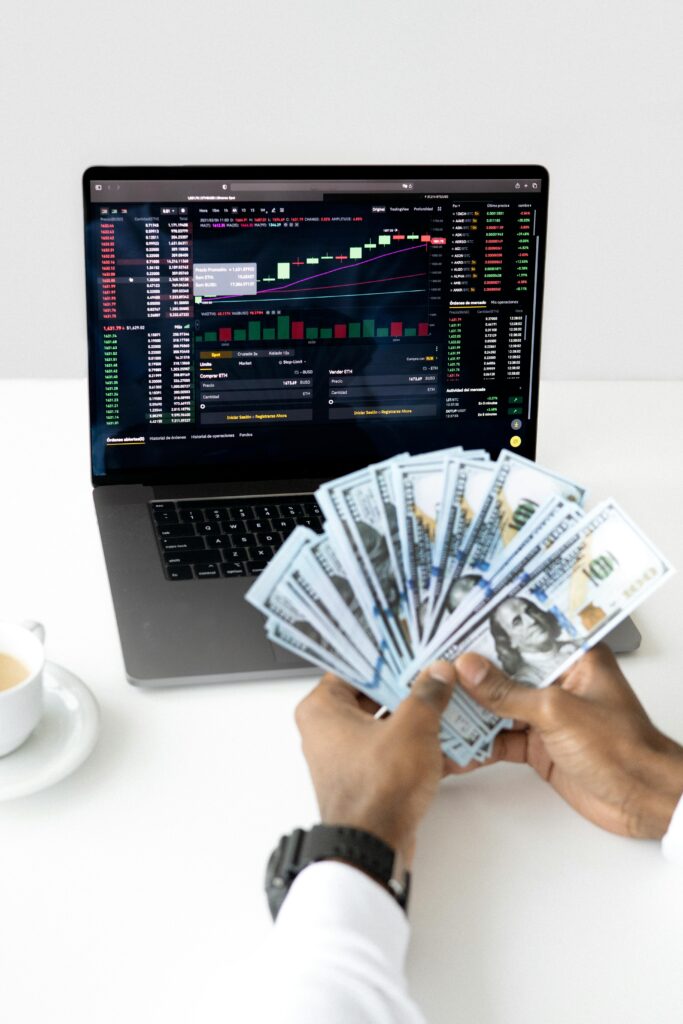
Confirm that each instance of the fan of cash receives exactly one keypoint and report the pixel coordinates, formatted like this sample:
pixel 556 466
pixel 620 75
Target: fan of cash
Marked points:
pixel 429 556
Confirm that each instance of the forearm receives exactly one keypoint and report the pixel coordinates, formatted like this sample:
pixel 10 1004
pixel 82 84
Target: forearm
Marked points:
pixel 337 952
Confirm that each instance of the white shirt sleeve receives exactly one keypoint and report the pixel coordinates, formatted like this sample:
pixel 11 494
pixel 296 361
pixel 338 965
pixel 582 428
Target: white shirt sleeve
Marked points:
pixel 672 842
pixel 337 951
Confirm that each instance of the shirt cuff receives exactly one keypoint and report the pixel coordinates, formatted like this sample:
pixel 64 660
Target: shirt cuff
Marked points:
pixel 333 895
pixel 672 842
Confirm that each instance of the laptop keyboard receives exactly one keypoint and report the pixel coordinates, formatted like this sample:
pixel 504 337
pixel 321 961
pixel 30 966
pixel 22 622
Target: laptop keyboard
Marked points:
pixel 213 538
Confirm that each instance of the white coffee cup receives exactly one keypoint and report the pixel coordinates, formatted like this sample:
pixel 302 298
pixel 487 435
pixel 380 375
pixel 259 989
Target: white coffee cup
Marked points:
pixel 21 706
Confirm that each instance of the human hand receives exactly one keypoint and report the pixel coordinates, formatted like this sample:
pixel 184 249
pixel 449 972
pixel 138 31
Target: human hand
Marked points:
pixel 590 738
pixel 376 775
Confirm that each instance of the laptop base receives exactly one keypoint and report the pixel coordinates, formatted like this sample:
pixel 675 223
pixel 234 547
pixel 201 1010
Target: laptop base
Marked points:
pixel 624 638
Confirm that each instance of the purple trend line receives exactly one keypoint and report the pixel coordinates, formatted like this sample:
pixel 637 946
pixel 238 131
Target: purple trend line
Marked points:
pixel 280 288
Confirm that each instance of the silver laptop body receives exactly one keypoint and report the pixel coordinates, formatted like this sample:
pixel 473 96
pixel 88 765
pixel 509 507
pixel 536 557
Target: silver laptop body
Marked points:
pixel 254 331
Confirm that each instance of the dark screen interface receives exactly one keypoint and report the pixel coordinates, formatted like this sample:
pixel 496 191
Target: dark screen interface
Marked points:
pixel 254 325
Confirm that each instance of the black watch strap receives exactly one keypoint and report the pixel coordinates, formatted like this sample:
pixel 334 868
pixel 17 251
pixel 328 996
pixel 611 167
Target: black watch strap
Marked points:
pixel 334 842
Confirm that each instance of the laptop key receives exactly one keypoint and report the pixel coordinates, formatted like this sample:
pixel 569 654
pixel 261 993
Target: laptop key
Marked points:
pixel 207 572
pixel 264 551
pixel 191 557
pixel 233 569
pixel 254 568
pixel 290 510
pixel 208 528
pixel 191 515
pixel 183 544
pixel 265 511
pixel 313 522
pixel 267 538
pixel 219 541
pixel 284 524
pixel 241 540
pixel 179 572
pixel 242 553
pixel 176 530
pixel 217 514
pixel 166 515
pixel 257 525
pixel 310 508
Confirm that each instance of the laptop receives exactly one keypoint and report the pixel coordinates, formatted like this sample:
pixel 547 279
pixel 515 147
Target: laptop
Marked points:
pixel 255 331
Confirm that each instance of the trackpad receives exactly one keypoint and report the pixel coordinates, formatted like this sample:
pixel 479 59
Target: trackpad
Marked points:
pixel 285 659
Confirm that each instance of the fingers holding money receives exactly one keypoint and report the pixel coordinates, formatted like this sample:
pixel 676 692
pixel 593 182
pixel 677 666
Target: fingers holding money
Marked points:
pixel 334 696
pixel 439 556
pixel 512 745
pixel 376 775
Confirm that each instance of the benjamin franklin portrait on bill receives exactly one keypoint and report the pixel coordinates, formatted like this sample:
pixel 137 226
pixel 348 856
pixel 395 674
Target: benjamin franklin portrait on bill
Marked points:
pixel 528 640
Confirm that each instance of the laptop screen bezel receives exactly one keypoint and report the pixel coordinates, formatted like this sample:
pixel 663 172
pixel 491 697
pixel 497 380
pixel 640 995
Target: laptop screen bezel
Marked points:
pixel 334 464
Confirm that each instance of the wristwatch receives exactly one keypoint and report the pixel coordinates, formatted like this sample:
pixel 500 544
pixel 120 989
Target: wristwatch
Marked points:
pixel 334 842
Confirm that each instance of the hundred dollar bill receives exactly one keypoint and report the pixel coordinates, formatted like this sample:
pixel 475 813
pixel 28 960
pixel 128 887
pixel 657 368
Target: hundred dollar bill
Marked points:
pixel 375 688
pixel 298 587
pixel 342 596
pixel 274 599
pixel 355 577
pixel 359 508
pixel 316 591
pixel 555 520
pixel 272 594
pixel 418 486
pixel 475 454
pixel 281 606
pixel 517 489
pixel 572 599
pixel 546 527
pixel 292 640
pixel 546 530
pixel 466 483
pixel 383 481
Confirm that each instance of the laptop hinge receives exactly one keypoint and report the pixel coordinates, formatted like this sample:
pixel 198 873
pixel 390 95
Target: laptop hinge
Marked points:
pixel 236 489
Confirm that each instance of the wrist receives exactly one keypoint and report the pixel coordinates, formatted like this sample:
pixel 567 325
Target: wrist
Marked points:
pixel 659 790
pixel 397 886
pixel 399 839
pixel 349 845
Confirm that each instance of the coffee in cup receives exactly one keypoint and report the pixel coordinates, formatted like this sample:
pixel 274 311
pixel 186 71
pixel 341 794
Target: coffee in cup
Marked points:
pixel 12 671
pixel 22 658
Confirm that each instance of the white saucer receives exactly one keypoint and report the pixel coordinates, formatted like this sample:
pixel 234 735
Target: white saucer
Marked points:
pixel 61 741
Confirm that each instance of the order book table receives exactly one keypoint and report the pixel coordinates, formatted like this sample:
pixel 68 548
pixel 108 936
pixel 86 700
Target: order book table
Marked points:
pixel 133 889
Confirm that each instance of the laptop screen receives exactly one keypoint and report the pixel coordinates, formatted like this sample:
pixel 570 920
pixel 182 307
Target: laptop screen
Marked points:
pixel 271 323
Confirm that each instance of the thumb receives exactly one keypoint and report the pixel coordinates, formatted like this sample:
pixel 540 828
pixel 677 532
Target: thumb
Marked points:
pixel 428 697
pixel 508 698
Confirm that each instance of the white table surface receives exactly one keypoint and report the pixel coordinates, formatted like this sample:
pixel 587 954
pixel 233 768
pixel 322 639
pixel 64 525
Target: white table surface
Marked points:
pixel 131 891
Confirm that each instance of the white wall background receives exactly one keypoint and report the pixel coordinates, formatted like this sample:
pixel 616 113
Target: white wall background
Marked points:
pixel 590 88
